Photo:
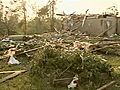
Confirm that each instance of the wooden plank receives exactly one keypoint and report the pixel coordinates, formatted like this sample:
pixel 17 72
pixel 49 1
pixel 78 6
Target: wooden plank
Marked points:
pixel 5 72
pixel 85 17
pixel 31 50
pixel 16 73
pixel 62 81
pixel 106 85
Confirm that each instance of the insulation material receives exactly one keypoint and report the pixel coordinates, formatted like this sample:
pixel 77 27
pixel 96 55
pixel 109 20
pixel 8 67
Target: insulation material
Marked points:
pixel 12 60
pixel 10 54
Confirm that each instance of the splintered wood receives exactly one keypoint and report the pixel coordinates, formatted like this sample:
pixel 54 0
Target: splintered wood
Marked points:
pixel 83 45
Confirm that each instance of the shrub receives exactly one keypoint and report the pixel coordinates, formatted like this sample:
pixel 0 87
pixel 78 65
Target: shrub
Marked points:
pixel 51 62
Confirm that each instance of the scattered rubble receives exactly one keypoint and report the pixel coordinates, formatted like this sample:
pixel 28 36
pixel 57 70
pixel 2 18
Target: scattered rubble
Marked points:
pixel 63 41
pixel 61 56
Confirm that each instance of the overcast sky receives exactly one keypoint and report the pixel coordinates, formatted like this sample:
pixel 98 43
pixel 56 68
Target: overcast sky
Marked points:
pixel 80 6
pixel 69 6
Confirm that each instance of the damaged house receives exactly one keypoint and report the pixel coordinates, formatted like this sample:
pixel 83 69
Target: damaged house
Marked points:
pixel 97 25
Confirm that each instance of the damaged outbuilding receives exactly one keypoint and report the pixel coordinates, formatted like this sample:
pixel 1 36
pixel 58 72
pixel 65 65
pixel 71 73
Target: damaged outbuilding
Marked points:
pixel 97 25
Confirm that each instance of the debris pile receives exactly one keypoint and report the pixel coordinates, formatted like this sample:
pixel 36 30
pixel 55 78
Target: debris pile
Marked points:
pixel 59 57
pixel 64 41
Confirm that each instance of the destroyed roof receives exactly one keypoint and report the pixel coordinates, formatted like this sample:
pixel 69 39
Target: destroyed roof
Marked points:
pixel 79 16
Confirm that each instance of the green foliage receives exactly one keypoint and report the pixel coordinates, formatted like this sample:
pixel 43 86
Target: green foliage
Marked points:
pixel 42 22
pixel 92 69
pixel 8 19
pixel 13 24
pixel 43 11
pixel 39 26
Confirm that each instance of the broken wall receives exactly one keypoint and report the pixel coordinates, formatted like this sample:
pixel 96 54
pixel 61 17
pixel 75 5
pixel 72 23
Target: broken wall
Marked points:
pixel 96 26
pixel 92 25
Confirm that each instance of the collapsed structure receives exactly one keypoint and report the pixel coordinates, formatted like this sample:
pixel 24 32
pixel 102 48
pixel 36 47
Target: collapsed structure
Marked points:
pixel 95 24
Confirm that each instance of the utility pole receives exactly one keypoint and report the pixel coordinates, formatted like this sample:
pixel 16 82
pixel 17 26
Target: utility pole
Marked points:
pixel 52 14
pixel 24 12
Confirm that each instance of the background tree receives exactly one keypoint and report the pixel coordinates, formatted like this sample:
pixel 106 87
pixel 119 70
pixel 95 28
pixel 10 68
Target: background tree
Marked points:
pixel 13 19
pixel 12 16
pixel 2 26
pixel 42 22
